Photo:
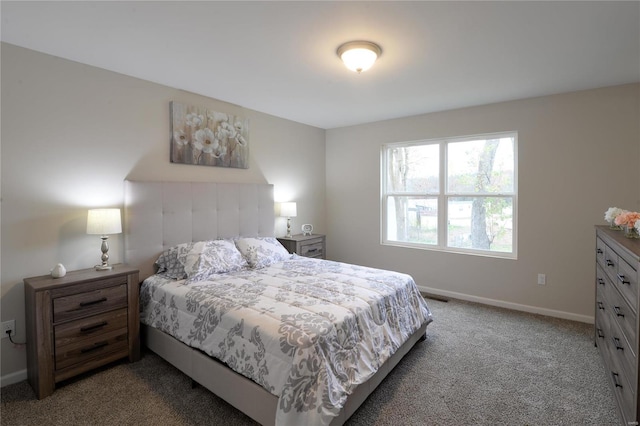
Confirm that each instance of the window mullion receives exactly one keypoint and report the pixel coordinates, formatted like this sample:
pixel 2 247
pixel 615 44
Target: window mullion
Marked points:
pixel 442 199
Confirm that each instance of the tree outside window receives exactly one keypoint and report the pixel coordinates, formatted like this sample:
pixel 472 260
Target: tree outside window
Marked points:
pixel 452 195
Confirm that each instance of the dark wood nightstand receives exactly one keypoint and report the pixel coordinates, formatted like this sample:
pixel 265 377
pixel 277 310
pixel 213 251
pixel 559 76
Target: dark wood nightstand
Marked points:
pixel 305 245
pixel 81 321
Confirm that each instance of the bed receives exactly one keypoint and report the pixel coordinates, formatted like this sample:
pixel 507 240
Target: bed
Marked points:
pixel 274 319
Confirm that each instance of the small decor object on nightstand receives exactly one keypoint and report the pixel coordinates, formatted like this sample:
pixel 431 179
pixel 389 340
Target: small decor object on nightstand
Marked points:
pixel 58 271
pixel 104 222
pixel 307 229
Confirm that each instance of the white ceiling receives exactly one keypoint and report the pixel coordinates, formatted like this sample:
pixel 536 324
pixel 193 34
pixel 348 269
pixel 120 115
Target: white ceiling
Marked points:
pixel 280 57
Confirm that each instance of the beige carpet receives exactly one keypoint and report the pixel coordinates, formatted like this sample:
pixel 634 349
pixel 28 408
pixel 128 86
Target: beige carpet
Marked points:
pixel 479 366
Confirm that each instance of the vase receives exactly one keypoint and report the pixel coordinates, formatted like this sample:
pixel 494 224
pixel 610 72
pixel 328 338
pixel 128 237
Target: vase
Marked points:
pixel 631 232
pixel 612 225
pixel 58 271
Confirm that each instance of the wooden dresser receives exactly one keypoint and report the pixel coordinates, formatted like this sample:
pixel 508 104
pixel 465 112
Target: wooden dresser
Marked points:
pixel 81 321
pixel 616 316
pixel 305 245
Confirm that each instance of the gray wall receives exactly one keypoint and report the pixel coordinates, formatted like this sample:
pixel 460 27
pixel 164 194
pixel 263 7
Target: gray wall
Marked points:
pixel 72 133
pixel 579 153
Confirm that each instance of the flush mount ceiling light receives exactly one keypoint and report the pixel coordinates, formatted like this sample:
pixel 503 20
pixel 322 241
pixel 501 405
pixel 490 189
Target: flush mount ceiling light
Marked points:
pixel 359 56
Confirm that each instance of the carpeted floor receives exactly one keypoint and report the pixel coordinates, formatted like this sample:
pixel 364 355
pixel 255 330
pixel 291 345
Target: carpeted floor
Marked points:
pixel 479 366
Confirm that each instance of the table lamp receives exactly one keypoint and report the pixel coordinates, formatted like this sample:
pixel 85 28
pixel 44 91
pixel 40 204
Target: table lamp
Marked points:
pixel 288 210
pixel 104 222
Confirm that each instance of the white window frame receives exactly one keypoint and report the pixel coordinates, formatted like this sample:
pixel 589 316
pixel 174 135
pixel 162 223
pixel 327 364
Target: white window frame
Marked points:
pixel 443 197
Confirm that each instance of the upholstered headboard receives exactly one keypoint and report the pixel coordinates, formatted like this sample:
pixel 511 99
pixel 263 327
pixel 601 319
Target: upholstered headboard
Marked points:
pixel 158 215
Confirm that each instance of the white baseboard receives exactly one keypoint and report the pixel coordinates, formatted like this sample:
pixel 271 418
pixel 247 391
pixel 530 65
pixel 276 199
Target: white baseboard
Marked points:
pixel 11 378
pixel 509 305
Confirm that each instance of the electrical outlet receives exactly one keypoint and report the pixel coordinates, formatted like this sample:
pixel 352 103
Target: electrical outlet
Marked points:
pixel 542 279
pixel 8 326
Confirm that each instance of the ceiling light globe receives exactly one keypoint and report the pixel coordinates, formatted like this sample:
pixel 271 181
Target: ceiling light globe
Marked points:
pixel 359 56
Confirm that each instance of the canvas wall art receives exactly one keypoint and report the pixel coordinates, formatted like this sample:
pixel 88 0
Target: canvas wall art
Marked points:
pixel 208 138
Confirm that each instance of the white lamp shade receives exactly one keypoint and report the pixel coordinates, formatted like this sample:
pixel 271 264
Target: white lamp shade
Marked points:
pixel 288 209
pixel 104 221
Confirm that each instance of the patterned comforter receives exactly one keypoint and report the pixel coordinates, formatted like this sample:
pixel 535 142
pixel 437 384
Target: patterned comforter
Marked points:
pixel 307 330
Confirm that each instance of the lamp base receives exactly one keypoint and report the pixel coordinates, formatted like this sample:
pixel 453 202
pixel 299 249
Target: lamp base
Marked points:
pixel 103 267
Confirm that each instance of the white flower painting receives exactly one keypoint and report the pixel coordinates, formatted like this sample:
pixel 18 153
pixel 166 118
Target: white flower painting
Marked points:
pixel 208 138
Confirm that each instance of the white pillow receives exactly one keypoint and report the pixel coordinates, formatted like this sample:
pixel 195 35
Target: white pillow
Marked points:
pixel 262 251
pixel 212 257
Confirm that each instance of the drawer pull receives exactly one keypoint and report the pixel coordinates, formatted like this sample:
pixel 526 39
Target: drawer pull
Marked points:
pixel 95 346
pixel 93 327
pixel 312 250
pixel 601 306
pixel 622 279
pixel 615 380
pixel 610 263
pixel 599 251
pixel 618 312
pixel 600 333
pixel 600 281
pixel 616 343
pixel 93 302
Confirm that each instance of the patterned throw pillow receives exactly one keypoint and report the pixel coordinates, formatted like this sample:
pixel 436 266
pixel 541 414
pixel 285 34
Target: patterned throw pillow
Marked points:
pixel 212 257
pixel 262 251
pixel 171 261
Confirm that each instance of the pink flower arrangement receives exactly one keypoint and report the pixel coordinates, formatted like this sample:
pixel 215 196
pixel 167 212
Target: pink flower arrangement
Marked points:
pixel 627 218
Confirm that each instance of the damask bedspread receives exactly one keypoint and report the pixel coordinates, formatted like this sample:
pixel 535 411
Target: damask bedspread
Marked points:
pixel 307 330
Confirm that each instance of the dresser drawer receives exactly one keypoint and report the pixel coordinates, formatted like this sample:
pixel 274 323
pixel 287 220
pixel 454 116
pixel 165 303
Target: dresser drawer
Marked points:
pixel 610 263
pixel 81 351
pixel 600 252
pixel 312 250
pixel 624 392
pixel 89 303
pixel 627 283
pixel 622 314
pixel 621 350
pixel 86 328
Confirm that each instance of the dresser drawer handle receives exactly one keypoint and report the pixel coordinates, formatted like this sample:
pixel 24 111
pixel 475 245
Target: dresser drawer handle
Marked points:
pixel 600 281
pixel 93 327
pixel 95 346
pixel 622 279
pixel 93 302
pixel 615 380
pixel 616 343
pixel 600 333
pixel 618 312
pixel 601 306
pixel 610 263
pixel 599 251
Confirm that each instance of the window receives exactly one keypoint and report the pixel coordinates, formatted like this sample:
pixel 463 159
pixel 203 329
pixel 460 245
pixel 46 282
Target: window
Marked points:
pixel 456 195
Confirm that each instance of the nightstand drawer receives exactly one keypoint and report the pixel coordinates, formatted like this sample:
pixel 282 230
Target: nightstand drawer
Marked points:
pixel 89 303
pixel 305 245
pixel 312 250
pixel 97 346
pixel 87 328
